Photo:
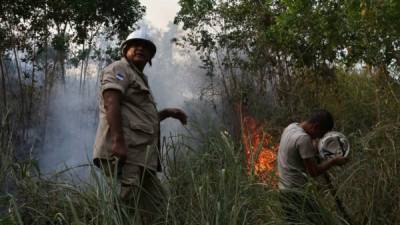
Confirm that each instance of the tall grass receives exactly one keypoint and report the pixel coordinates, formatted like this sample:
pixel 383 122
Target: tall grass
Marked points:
pixel 208 182
pixel 209 185
pixel 371 185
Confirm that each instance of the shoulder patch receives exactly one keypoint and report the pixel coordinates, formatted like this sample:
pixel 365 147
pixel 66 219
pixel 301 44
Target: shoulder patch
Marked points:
pixel 119 76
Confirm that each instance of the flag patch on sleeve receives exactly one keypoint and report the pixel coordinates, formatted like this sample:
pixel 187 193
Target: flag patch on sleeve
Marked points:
pixel 119 76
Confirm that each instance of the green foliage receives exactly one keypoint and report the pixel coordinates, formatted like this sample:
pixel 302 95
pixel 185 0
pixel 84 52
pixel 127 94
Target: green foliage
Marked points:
pixel 374 176
pixel 279 58
pixel 309 32
pixel 256 44
pixel 24 22
pixel 60 43
pixel 339 55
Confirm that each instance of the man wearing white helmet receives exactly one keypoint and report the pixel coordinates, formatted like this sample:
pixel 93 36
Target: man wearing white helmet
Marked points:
pixel 127 137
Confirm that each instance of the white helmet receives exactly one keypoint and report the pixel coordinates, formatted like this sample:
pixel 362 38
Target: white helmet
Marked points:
pixel 140 35
pixel 333 144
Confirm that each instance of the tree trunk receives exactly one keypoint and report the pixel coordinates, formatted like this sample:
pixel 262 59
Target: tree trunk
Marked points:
pixel 52 74
pixel 62 65
pixel 32 91
pixel 21 87
pixel 5 130
pixel 3 83
pixel 63 56
pixel 45 102
pixel 45 73
pixel 82 65
pixel 86 66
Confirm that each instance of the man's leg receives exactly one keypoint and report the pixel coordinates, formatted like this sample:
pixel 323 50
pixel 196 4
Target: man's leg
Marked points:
pixel 142 190
pixel 153 197
pixel 301 207
pixel 130 179
pixel 290 207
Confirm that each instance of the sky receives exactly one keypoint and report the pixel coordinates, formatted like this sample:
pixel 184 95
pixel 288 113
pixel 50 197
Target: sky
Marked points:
pixel 160 12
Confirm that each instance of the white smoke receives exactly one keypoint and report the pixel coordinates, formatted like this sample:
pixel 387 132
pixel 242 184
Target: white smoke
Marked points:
pixel 175 79
pixel 70 126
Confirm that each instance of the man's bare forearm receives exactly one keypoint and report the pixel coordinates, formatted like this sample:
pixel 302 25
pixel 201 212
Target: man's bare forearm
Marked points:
pixel 112 104
pixel 162 115
pixel 174 113
pixel 325 166
pixel 315 169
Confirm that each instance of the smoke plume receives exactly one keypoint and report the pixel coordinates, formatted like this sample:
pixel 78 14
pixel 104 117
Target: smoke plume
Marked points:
pixel 174 77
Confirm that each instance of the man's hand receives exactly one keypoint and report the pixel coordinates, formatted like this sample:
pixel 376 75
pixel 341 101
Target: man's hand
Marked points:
pixel 174 113
pixel 315 169
pixel 119 150
pixel 340 160
pixel 112 104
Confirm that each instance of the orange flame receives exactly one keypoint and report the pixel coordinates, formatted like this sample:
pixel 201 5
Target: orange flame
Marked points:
pixel 260 152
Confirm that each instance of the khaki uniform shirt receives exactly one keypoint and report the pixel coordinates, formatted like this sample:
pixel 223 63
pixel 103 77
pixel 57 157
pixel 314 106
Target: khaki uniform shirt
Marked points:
pixel 139 114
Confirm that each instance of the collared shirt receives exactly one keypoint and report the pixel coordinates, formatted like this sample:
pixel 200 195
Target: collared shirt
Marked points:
pixel 140 122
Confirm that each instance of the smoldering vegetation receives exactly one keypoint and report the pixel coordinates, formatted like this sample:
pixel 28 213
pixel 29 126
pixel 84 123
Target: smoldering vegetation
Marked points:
pixel 268 62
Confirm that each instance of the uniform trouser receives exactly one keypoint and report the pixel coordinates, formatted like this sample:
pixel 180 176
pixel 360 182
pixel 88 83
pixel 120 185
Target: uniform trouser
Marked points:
pixel 300 208
pixel 140 189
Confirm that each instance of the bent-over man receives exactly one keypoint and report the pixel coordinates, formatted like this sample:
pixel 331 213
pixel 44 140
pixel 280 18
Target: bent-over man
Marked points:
pixel 297 161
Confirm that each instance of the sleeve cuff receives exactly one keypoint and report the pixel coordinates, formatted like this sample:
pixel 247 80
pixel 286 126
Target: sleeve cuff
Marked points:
pixel 112 86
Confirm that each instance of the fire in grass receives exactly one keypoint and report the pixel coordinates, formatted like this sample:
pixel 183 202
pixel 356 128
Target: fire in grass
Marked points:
pixel 260 152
